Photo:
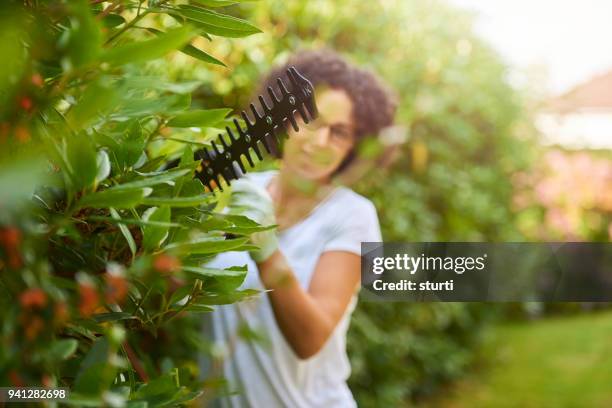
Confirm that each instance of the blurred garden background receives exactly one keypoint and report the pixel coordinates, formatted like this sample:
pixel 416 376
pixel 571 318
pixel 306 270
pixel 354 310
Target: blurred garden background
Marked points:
pixel 96 235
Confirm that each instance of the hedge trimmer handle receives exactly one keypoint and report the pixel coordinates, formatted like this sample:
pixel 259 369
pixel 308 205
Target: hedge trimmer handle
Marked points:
pixel 224 159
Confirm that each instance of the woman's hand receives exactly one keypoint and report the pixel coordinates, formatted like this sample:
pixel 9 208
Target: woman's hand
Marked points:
pixel 254 202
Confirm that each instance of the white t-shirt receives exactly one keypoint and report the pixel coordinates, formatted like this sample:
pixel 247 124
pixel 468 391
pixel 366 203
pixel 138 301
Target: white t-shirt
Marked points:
pixel 269 374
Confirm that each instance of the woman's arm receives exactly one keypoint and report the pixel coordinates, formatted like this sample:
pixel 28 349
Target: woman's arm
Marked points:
pixel 308 318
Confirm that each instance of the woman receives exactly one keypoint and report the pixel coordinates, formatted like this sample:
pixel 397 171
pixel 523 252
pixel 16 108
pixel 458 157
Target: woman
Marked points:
pixel 310 264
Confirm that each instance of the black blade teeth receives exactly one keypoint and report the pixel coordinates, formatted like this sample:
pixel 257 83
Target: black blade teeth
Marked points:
pixel 238 127
pixel 231 134
pixel 224 178
pixel 208 155
pixel 230 174
pixel 242 169
pixel 291 119
pixel 248 157
pixel 282 87
pixel 264 104
pixel 257 152
pixel 293 78
pixel 312 109
pixel 273 96
pixel 255 113
pixel 223 142
pixel 246 119
pixel 303 114
pixel 204 154
pixel 264 129
pixel 217 183
pixel 215 148
pixel 276 135
pixel 265 142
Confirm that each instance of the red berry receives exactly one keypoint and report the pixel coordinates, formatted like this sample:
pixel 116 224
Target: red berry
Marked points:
pixel 116 289
pixel 26 103
pixel 38 80
pixel 10 237
pixel 165 263
pixel 89 300
pixel 33 298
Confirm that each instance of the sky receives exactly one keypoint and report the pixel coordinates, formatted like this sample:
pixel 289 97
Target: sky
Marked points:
pixel 569 40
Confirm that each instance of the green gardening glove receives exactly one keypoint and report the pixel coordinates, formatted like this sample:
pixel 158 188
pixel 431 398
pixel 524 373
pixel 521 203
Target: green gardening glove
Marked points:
pixel 254 202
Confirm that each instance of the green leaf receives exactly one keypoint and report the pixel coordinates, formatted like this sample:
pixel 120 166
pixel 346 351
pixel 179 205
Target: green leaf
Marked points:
pixel 192 187
pixel 153 237
pixel 96 374
pixel 118 198
pixel 113 20
pixel 236 224
pixel 152 165
pixel 84 36
pixel 187 158
pixel 125 231
pixel 132 221
pixel 199 118
pixel 81 157
pixel 132 108
pixel 185 396
pixel 163 178
pixel 207 246
pixel 96 100
pixel 193 51
pixel 148 83
pixel 178 201
pixel 14 54
pixel 217 23
pixel 221 3
pixel 63 349
pixel 104 167
pixel 199 308
pixel 203 272
pixel 159 391
pixel 180 294
pixel 112 317
pixel 18 179
pixel 201 55
pixel 125 145
pixel 224 298
pixel 215 3
pixel 218 279
pixel 142 51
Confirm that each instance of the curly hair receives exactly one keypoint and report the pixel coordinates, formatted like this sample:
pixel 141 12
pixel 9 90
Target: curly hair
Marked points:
pixel 374 105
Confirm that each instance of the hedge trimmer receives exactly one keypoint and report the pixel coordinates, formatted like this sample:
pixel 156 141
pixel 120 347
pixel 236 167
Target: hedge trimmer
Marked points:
pixel 266 129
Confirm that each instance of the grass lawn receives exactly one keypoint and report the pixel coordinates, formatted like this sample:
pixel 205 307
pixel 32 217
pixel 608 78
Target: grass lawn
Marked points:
pixel 556 362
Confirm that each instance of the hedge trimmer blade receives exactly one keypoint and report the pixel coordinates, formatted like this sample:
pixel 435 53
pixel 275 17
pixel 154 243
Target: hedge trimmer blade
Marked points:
pixel 224 159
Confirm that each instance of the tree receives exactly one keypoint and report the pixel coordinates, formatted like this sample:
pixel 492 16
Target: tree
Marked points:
pixel 101 246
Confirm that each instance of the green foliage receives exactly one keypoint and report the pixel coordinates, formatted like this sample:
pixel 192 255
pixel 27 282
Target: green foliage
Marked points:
pixel 101 246
pixel 562 371
pixel 468 134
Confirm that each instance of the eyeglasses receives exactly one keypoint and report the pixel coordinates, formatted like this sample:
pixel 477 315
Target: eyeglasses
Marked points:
pixel 340 134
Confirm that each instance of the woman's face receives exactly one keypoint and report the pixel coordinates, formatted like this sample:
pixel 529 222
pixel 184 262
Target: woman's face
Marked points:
pixel 319 147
